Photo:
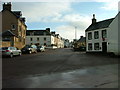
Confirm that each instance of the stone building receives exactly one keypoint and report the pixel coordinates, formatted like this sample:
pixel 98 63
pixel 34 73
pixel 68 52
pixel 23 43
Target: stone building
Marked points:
pixel 13 27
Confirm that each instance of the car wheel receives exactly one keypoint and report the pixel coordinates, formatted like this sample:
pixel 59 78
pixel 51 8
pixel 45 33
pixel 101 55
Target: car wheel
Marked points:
pixel 20 54
pixel 11 55
pixel 30 52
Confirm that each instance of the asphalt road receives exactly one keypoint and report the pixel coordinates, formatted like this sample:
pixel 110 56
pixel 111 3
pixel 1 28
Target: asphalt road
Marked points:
pixel 51 62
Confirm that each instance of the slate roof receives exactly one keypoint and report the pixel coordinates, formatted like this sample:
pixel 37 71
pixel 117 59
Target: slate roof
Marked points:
pixel 100 25
pixel 83 39
pixel 37 32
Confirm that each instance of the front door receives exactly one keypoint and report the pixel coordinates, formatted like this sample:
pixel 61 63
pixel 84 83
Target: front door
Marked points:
pixel 104 47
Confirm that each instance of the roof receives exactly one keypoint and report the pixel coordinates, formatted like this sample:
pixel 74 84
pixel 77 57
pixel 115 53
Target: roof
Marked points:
pixel 83 39
pixel 8 33
pixel 37 32
pixel 100 25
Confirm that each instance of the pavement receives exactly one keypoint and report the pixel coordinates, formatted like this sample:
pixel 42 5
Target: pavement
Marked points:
pixel 60 68
pixel 93 77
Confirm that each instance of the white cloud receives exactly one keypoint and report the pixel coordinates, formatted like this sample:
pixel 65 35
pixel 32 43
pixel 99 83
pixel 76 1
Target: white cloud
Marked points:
pixel 36 12
pixel 109 4
pixel 68 32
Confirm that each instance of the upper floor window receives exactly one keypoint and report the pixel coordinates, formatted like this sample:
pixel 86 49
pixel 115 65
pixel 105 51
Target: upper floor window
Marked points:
pixel 44 38
pixel 31 39
pixel 96 46
pixel 96 35
pixel 37 39
pixel 89 35
pixel 13 26
pixel 104 34
pixel 89 46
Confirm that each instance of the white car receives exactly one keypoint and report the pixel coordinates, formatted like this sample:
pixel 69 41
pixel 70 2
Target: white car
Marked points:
pixel 10 51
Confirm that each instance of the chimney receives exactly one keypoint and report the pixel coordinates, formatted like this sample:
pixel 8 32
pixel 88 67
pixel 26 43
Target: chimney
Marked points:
pixel 93 20
pixel 7 6
pixel 53 33
pixel 81 36
pixel 48 29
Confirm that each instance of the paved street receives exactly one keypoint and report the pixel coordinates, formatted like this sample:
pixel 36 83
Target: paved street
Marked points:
pixel 60 68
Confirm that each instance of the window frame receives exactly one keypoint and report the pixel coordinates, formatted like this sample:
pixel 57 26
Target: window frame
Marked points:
pixel 89 46
pixel 89 35
pixel 96 47
pixel 96 35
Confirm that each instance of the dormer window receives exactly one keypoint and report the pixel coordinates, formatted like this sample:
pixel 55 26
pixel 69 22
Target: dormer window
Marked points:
pixel 13 26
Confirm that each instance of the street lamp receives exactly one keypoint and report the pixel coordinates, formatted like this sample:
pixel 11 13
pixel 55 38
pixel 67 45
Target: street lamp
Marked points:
pixel 75 32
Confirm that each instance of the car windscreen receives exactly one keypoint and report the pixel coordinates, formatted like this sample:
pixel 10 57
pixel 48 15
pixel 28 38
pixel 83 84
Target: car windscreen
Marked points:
pixel 4 48
pixel 27 46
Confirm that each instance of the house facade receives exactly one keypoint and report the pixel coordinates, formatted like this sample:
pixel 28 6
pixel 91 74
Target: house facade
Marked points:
pixel 99 36
pixel 13 22
pixel 39 37
pixel 96 35
pixel 44 37
pixel 114 36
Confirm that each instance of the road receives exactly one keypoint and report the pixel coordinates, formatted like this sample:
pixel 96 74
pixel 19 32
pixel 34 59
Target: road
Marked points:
pixel 44 69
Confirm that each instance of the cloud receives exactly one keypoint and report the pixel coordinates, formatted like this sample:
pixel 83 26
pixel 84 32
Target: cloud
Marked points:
pixel 36 12
pixel 109 4
pixel 68 32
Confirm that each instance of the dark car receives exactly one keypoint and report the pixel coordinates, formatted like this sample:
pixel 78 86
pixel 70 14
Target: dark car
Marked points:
pixel 29 49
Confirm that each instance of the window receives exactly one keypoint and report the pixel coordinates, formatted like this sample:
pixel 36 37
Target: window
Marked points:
pixel 104 34
pixel 13 26
pixel 96 46
pixel 31 39
pixel 44 38
pixel 96 35
pixel 44 44
pixel 89 35
pixel 37 39
pixel 89 46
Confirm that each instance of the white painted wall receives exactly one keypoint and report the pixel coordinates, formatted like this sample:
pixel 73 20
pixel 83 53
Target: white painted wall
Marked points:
pixel 113 36
pixel 49 40
pixel 99 40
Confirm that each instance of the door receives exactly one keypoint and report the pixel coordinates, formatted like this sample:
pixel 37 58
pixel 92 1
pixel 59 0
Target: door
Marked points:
pixel 104 47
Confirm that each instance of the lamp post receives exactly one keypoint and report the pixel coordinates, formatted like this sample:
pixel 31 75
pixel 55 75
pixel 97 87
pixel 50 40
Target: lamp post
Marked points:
pixel 75 32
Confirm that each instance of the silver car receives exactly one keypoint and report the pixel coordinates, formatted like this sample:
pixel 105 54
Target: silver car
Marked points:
pixel 10 51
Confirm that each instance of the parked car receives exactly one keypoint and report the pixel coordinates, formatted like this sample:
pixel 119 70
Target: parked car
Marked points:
pixel 10 51
pixel 40 48
pixel 29 49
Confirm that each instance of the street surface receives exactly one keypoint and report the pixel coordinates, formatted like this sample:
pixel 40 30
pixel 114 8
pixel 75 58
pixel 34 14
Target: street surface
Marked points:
pixel 60 68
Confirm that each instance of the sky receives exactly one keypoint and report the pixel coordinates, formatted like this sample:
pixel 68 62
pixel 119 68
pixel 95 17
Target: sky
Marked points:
pixel 63 16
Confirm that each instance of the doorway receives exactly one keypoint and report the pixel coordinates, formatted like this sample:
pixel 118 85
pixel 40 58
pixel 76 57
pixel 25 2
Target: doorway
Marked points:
pixel 104 47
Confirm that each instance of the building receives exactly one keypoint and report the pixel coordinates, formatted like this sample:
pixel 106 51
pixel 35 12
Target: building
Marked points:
pixel 44 37
pixel 80 44
pixel 13 27
pixel 40 37
pixel 113 44
pixel 102 36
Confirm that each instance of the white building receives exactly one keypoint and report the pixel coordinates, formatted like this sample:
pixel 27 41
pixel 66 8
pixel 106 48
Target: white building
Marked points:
pixel 44 37
pixel 39 37
pixel 103 36
pixel 114 36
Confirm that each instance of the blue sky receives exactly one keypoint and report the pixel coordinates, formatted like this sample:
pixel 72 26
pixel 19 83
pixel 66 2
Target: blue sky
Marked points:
pixel 63 17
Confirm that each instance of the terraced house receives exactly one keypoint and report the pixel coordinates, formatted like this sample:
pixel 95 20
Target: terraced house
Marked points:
pixel 44 37
pixel 103 36
pixel 13 27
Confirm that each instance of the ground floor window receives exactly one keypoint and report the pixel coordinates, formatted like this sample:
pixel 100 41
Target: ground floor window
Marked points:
pixel 96 46
pixel 89 46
